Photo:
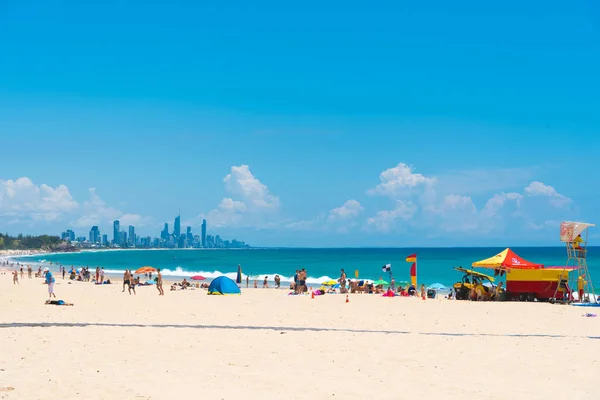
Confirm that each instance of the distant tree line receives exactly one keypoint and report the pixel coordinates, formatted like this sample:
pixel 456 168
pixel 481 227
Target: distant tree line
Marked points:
pixel 29 242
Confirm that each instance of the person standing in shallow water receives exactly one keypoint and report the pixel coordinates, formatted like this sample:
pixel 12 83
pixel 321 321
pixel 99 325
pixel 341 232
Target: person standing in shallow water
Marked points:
pixel 159 283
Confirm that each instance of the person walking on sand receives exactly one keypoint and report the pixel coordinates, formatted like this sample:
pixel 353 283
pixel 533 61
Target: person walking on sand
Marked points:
pixel 16 277
pixel 265 284
pixel 159 283
pixel 29 271
pixel 126 280
pixel 247 281
pixel 64 271
pixel 50 282
pixel 97 274
pixel 102 275
pixel 21 272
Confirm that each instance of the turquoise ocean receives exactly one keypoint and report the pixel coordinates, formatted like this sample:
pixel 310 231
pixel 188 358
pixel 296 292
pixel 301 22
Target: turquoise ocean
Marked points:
pixel 435 265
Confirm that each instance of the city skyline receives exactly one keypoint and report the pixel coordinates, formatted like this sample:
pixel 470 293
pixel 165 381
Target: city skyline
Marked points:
pixel 129 239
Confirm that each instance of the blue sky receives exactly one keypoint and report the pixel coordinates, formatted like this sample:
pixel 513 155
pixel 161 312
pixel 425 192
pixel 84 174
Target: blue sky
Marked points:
pixel 306 124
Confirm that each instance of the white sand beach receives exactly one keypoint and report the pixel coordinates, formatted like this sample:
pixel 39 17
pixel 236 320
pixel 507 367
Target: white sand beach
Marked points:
pixel 264 344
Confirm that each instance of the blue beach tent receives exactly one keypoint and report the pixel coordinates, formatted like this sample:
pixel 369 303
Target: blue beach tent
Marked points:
pixel 223 285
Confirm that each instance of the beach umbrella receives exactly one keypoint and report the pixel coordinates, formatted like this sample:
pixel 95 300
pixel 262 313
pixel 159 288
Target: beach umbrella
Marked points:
pixel 330 282
pixel 145 270
pixel 198 278
pixel 380 282
pixel 238 278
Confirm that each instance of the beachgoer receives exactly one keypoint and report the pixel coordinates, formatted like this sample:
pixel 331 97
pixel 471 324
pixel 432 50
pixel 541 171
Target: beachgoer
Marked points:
pixel 277 281
pixel 29 271
pixel 422 291
pixel 247 281
pixel 126 280
pixel 342 279
pixel 15 277
pixel 159 283
pixel 102 275
pixel 50 282
pixel 97 274
pixel 581 282
pixel 58 303
pixel 265 284
pixel 22 272
pixel 498 292
pixel 255 283
pixel 393 284
pixel 296 279
pixel 64 270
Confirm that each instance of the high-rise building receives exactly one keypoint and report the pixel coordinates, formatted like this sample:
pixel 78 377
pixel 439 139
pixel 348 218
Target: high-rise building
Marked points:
pixel 104 240
pixel 123 238
pixel 188 235
pixel 164 235
pixel 177 228
pixel 95 235
pixel 116 230
pixel 203 233
pixel 131 235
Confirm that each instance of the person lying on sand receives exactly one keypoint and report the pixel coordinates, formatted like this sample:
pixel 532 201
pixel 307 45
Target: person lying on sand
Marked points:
pixel 58 303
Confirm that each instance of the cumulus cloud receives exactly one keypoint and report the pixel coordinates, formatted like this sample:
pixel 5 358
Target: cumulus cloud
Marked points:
pixel 395 181
pixel 436 207
pixel 95 211
pixel 385 220
pixel 251 203
pixel 21 199
pixel 240 181
pixel 349 209
pixel 537 188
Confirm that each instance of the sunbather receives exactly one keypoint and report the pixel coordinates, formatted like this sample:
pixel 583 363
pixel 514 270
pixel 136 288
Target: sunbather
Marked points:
pixel 58 303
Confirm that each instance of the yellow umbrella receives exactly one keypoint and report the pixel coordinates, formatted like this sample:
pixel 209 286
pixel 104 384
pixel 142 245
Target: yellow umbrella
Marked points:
pixel 330 282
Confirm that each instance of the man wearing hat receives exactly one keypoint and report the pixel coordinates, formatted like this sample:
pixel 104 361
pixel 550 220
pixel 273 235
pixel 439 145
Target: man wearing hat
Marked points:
pixel 50 282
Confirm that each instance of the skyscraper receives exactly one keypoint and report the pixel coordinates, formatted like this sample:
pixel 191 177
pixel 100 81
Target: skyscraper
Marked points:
pixel 94 235
pixel 203 233
pixel 164 235
pixel 177 228
pixel 131 235
pixel 188 236
pixel 116 229
pixel 104 240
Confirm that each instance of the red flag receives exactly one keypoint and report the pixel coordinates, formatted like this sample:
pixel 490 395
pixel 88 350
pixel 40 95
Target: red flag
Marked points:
pixel 413 270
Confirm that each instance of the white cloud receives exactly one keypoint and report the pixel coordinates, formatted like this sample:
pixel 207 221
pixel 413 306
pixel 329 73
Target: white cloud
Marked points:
pixel 499 200
pixel 537 188
pixel 397 180
pixel 95 211
pixel 349 209
pixel 240 181
pixel 24 200
pixel 255 206
pixel 385 220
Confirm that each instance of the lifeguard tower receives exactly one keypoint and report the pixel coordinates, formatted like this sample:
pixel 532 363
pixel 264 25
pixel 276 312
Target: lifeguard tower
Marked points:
pixel 575 237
